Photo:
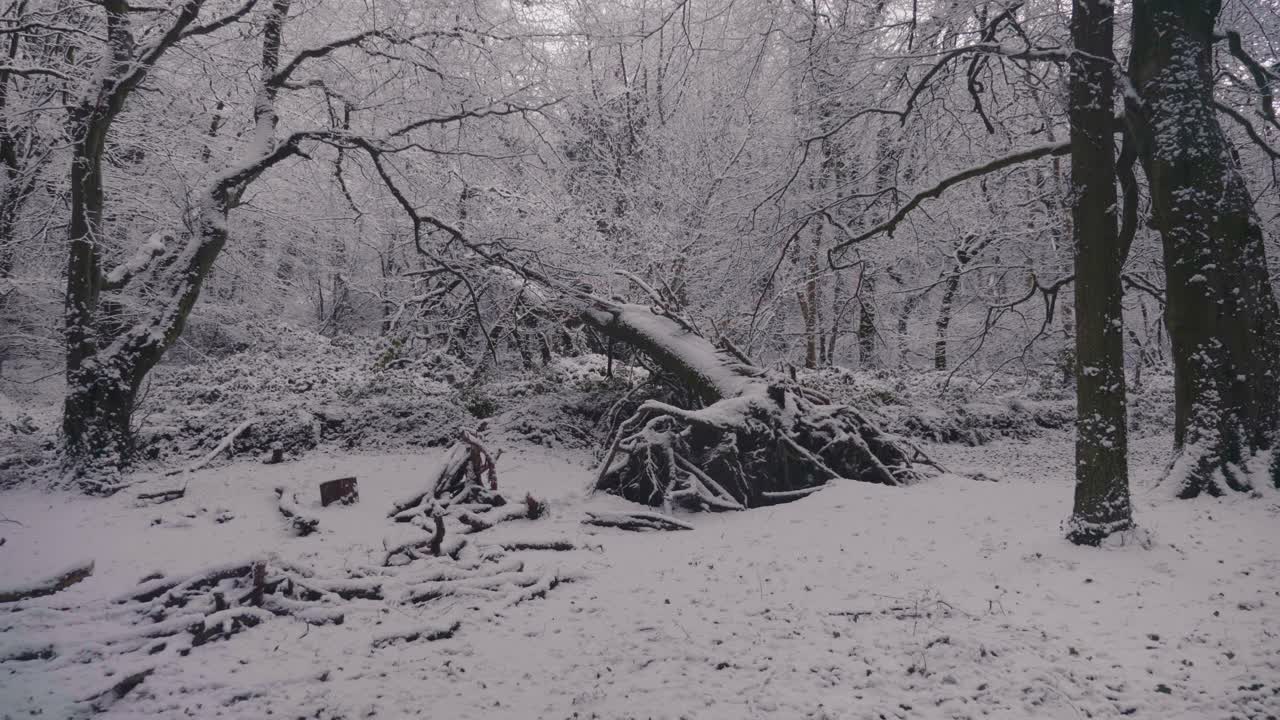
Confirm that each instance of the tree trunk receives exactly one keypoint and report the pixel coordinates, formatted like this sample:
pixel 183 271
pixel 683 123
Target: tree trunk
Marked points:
pixel 99 402
pixel 106 359
pixel 944 321
pixel 1223 320
pixel 1102 504
pixel 867 322
pixel 904 320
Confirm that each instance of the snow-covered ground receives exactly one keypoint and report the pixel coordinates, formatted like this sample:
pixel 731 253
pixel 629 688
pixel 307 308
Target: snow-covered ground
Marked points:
pixel 954 598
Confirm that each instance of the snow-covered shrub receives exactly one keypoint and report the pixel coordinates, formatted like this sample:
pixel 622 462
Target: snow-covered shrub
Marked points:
pixel 573 402
pixel 309 391
pixel 978 423
pixel 939 407
pixel 1151 403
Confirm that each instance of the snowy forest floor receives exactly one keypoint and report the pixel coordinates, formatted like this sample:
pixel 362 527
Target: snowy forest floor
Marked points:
pixel 954 598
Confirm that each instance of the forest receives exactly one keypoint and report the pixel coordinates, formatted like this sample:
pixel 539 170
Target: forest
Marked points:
pixel 639 358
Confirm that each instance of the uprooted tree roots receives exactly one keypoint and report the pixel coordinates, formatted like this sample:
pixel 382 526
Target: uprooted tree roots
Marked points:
pixel 760 440
pixel 768 445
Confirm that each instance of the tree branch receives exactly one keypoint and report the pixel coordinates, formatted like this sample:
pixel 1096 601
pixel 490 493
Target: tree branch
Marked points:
pixel 1005 161
pixel 1263 77
pixel 1248 128
pixel 215 25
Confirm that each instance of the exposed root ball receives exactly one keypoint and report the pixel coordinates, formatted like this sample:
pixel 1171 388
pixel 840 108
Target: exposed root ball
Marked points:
pixel 758 448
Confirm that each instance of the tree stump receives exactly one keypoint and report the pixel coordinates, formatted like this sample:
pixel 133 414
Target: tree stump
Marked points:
pixel 342 490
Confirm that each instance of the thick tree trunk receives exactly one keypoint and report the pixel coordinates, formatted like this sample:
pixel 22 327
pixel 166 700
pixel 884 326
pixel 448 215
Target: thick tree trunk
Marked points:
pixel 1223 320
pixel 99 401
pixel 106 358
pixel 1102 504
pixel 712 373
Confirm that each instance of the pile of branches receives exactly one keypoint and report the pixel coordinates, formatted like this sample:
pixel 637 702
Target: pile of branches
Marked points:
pixel 168 616
pixel 464 490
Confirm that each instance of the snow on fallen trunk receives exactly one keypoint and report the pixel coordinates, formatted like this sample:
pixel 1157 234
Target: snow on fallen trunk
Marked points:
pixel 715 373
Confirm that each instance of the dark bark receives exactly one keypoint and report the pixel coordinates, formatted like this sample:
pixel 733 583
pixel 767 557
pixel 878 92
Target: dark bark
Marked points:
pixel 1102 505
pixel 106 361
pixel 867 322
pixel 100 395
pixel 1223 320
pixel 949 291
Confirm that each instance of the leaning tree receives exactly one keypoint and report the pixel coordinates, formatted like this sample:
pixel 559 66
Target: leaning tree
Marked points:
pixel 758 438
pixel 111 348
pixel 753 437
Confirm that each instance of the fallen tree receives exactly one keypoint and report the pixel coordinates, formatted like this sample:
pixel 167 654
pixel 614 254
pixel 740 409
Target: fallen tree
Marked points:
pixel 761 438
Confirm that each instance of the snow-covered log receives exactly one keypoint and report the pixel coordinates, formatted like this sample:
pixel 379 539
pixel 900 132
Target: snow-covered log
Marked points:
pixel 302 522
pixel 760 439
pixel 48 586
pixel 715 373
pixel 639 520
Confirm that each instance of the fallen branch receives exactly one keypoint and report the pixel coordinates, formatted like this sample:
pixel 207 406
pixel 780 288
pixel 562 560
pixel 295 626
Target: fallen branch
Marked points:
pixel 400 552
pixel 222 446
pixel 516 545
pixel 457 480
pixel 636 520
pixel 476 522
pixel 788 495
pixel 50 585
pixel 439 631
pixel 164 496
pixel 100 701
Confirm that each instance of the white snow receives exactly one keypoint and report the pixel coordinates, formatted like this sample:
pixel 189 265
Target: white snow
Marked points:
pixel 950 599
pixel 151 248
pixel 729 378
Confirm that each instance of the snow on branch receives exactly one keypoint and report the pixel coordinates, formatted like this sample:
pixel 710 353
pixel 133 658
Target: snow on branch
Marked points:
pixel 219 23
pixel 126 271
pixel 1264 77
pixel 34 72
pixel 890 225
pixel 1249 129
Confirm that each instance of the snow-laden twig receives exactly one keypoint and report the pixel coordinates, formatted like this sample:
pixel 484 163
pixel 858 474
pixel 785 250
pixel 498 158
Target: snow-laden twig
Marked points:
pixel 221 447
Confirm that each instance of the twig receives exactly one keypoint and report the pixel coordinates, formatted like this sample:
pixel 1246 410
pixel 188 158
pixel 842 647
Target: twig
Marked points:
pixel 223 445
